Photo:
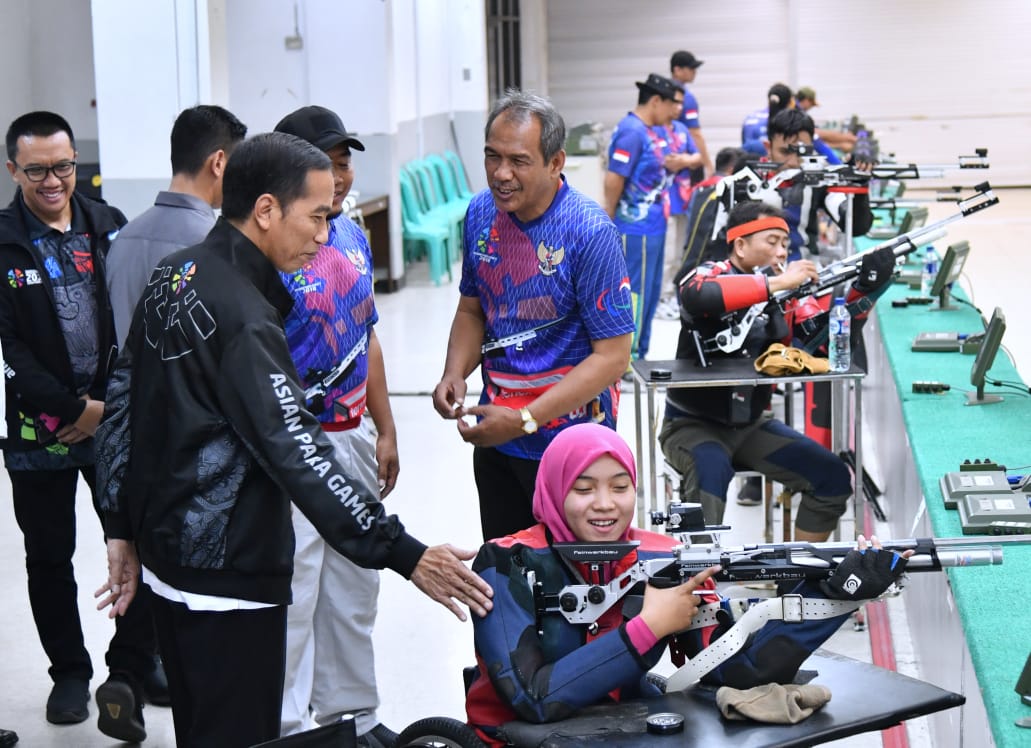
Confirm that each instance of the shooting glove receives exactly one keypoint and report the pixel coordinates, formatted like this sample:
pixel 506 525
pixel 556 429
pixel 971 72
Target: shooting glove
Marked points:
pixel 780 360
pixel 875 270
pixel 863 575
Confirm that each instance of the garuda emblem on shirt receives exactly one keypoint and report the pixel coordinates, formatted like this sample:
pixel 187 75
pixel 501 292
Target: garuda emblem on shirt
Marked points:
pixel 548 258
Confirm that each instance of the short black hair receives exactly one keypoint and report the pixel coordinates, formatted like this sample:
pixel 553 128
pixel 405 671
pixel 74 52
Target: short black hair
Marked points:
pixel 777 99
pixel 273 162
pixel 200 131
pixel 749 210
pixel 789 123
pixel 732 159
pixel 43 124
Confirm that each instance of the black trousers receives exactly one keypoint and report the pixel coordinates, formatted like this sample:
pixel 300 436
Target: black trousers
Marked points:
pixel 225 673
pixel 44 507
pixel 505 487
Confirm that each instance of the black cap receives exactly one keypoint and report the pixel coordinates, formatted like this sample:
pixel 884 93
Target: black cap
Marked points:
pixel 661 85
pixel 319 126
pixel 683 59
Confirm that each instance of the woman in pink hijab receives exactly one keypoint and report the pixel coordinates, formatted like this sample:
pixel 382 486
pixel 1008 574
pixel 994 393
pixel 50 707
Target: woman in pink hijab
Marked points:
pixel 537 666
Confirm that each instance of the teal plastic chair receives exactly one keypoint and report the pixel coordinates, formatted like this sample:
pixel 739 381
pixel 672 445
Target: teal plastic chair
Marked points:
pixel 420 230
pixel 437 204
pixel 459 171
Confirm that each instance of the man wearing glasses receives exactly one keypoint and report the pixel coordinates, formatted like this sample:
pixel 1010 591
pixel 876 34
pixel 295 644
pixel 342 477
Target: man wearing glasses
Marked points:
pixel 58 343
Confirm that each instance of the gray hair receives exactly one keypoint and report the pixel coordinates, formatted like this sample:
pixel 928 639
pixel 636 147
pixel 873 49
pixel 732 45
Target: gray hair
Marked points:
pixel 520 106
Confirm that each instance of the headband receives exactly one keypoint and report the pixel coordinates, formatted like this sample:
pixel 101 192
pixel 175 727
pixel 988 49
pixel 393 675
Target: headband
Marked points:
pixel 759 224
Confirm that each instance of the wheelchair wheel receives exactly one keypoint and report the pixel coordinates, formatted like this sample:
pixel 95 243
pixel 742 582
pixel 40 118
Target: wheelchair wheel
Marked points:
pixel 439 732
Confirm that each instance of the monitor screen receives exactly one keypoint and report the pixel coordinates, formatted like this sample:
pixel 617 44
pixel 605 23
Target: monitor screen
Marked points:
pixel 985 358
pixel 949 272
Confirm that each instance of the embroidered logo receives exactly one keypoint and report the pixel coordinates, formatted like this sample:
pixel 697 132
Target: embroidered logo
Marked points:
pixel 549 258
pixel 306 281
pixel 182 276
pixel 16 277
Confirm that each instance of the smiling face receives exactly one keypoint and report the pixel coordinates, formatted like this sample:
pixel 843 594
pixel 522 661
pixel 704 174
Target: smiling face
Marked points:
pixel 343 176
pixel 49 200
pixel 600 505
pixel 294 235
pixel 520 180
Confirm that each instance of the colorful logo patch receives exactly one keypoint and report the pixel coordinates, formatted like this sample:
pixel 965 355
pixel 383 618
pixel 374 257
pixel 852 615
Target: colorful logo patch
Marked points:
pixel 487 245
pixel 16 277
pixel 183 275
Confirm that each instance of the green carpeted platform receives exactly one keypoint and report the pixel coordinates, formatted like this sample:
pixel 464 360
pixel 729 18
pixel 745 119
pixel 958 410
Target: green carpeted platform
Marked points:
pixel 992 601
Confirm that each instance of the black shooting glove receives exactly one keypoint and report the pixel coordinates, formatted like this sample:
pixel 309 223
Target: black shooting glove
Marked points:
pixel 863 575
pixel 875 270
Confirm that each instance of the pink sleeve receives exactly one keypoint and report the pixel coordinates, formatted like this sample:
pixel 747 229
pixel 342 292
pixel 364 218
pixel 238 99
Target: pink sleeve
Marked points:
pixel 640 635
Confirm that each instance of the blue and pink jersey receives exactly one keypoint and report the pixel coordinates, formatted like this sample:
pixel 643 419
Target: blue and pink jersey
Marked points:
pixel 328 328
pixel 680 141
pixel 636 153
pixel 547 288
pixel 689 114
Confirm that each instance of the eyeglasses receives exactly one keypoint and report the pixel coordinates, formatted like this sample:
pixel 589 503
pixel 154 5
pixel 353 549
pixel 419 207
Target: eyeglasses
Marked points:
pixel 35 173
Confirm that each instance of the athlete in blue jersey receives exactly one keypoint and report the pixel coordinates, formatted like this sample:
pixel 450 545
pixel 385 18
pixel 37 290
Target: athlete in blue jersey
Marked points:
pixel 683 68
pixel 683 158
pixel 329 654
pixel 636 194
pixel 545 311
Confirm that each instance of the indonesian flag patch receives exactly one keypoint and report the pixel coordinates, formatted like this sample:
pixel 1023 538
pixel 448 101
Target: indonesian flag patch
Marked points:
pixel 621 156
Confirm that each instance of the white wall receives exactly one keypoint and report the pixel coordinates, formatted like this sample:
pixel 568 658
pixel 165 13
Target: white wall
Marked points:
pixel 933 78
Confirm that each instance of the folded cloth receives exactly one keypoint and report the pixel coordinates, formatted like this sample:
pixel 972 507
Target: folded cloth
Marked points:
pixel 772 703
pixel 780 359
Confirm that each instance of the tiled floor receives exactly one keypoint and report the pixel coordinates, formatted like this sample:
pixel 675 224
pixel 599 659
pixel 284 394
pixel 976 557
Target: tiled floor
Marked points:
pixel 421 649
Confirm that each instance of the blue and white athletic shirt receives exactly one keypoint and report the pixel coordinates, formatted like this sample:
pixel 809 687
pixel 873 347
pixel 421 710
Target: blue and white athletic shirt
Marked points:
pixel 636 153
pixel 328 328
pixel 559 281
pixel 689 114
pixel 680 141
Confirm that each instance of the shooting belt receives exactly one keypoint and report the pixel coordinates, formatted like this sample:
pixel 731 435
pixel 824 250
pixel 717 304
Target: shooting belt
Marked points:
pixel 790 608
pixel 779 360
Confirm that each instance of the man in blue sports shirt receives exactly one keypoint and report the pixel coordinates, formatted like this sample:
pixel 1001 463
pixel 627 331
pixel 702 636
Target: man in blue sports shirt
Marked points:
pixel 683 67
pixel 545 311
pixel 636 193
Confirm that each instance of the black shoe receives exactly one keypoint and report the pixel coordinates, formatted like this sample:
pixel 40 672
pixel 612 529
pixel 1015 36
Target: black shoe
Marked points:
pixel 155 685
pixel 67 702
pixel 120 704
pixel 8 738
pixel 379 736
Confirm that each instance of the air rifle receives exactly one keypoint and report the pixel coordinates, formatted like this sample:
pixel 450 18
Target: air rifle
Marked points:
pixel 731 338
pixel 769 562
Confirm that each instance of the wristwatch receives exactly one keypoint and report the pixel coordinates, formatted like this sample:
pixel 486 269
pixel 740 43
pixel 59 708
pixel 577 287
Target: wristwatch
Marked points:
pixel 529 424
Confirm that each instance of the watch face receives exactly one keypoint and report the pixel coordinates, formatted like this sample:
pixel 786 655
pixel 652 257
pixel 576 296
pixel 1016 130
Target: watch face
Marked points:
pixel 530 427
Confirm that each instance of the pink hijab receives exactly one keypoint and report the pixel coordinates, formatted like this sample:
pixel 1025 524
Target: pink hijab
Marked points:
pixel 565 458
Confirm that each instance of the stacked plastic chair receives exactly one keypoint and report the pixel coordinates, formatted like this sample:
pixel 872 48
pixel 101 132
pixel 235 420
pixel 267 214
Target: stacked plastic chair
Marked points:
pixel 423 230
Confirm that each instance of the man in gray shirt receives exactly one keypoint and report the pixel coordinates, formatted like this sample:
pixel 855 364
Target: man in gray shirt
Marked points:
pixel 203 137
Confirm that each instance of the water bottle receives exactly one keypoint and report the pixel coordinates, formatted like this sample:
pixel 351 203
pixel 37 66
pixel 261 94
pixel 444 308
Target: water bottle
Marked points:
pixel 840 336
pixel 929 272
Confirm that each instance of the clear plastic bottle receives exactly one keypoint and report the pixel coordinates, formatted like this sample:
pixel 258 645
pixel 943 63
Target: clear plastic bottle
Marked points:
pixel 839 338
pixel 929 272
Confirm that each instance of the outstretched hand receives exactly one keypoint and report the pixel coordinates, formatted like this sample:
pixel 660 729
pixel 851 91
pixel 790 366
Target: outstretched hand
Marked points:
pixel 123 574
pixel 441 574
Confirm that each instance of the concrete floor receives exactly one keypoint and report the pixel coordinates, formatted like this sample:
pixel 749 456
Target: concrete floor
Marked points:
pixel 421 648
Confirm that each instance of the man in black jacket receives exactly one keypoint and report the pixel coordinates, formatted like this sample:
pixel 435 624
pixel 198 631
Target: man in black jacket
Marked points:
pixel 58 344
pixel 196 466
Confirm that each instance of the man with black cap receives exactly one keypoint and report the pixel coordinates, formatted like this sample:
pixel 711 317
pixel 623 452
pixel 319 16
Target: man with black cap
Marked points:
pixel 641 166
pixel 329 654
pixel 683 67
